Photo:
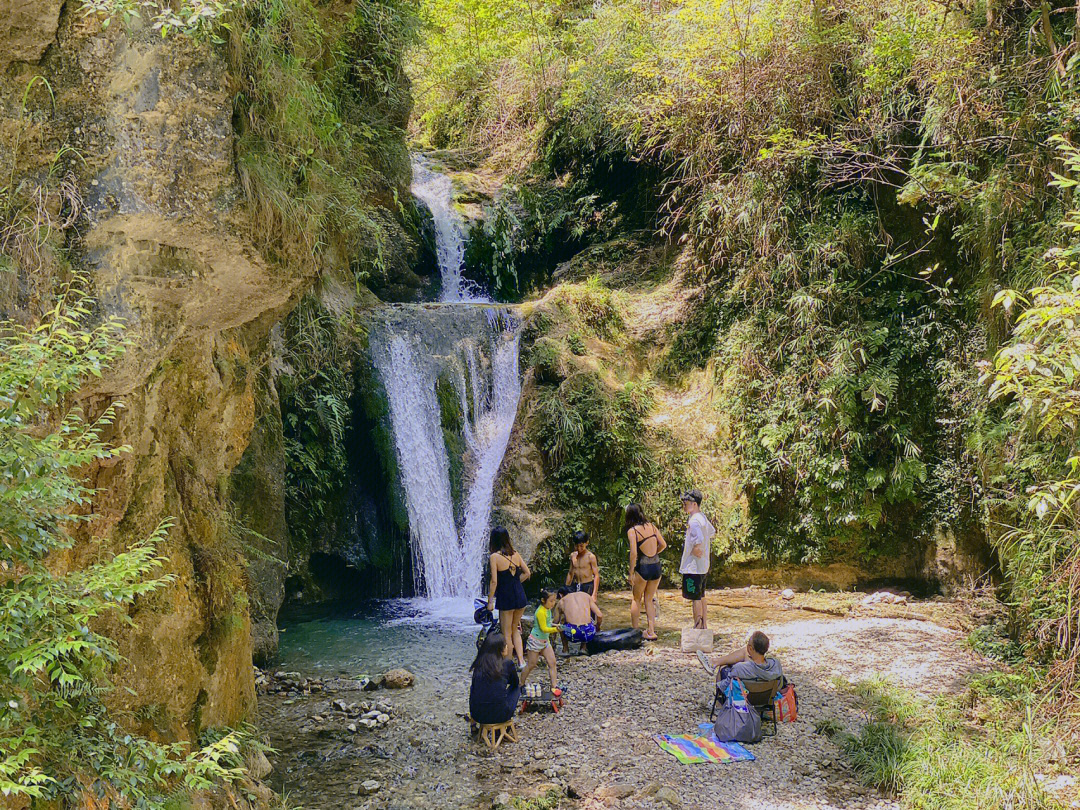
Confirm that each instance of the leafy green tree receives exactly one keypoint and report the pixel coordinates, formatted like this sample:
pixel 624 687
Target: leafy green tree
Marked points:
pixel 59 739
pixel 1036 374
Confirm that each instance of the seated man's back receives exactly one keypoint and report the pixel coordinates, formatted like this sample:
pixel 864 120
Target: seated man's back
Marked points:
pixel 753 671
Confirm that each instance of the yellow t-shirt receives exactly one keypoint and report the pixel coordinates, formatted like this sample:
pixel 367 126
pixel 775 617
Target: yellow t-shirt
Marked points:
pixel 541 628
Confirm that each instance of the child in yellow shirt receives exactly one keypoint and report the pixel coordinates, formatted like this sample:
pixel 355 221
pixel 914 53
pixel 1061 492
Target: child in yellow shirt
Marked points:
pixel 538 642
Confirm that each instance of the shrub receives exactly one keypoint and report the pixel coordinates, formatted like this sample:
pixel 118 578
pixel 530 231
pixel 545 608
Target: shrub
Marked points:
pixel 58 737
pixel 942 755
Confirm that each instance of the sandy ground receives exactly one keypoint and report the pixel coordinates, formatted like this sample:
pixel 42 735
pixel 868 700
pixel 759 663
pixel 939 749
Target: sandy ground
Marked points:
pixel 599 750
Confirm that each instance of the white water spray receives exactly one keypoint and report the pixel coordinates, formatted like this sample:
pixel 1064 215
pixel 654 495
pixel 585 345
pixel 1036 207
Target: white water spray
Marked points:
pixel 409 359
pixel 437 193
pixel 475 347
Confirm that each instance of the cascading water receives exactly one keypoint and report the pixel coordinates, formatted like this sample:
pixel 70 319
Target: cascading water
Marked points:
pixel 436 192
pixel 473 345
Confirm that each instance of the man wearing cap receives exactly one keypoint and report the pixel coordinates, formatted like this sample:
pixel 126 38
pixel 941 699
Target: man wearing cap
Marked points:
pixel 695 557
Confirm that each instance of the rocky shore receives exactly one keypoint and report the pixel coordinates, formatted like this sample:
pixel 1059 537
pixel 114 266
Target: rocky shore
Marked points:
pixel 598 751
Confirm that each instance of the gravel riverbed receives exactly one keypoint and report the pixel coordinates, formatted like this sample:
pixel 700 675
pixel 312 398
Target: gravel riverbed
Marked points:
pixel 598 751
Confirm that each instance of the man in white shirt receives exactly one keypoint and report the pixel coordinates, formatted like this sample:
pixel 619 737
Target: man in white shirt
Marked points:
pixel 695 557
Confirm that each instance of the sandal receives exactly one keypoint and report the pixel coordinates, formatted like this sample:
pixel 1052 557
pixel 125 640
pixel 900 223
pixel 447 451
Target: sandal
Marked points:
pixel 653 637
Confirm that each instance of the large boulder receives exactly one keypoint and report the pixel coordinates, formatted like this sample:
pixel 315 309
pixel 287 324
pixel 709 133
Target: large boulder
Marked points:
pixel 398 679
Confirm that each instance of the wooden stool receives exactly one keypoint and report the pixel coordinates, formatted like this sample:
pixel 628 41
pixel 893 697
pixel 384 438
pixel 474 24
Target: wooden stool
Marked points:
pixel 494 733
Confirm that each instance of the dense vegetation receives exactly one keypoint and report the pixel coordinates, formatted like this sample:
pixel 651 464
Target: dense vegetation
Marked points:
pixel 857 190
pixel 853 183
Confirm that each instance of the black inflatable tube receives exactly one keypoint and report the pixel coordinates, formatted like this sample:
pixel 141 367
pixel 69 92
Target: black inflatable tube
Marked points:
pixel 626 638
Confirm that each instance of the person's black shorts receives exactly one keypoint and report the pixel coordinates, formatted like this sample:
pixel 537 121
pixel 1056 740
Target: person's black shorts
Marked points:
pixel 583 587
pixel 693 586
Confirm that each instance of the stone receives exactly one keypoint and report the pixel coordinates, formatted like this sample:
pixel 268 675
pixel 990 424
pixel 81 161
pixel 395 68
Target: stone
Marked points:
pixel 668 796
pixel 351 727
pixel 398 679
pixel 369 786
pixel 614 791
pixel 502 800
pixel 258 766
pixel 787 594
pixel 27 28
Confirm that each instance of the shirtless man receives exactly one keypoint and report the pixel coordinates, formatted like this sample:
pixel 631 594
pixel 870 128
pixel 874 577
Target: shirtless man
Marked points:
pixel 575 611
pixel 584 573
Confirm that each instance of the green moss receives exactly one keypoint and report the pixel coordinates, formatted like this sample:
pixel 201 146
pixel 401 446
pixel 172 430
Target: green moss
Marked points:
pixel 453 424
pixel 546 359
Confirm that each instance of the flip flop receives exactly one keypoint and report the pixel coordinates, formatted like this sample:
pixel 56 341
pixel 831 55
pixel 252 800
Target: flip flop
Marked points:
pixel 649 638
pixel 704 659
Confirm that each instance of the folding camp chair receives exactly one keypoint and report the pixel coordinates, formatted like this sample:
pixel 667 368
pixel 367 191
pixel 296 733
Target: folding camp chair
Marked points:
pixel 760 695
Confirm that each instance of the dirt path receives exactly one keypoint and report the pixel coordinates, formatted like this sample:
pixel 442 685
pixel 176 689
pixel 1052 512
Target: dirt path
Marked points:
pixel 599 750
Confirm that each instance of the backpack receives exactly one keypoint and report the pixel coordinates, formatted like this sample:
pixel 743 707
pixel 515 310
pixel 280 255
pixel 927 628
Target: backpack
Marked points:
pixel 737 720
pixel 786 704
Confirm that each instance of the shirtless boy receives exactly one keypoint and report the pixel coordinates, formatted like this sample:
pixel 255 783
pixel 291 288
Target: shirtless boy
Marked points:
pixel 576 611
pixel 584 573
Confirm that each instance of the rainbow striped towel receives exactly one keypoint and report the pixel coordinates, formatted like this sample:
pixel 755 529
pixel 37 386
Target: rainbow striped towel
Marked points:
pixel 692 750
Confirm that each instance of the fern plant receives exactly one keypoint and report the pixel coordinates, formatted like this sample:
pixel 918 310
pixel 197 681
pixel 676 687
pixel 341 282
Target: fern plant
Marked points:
pixel 58 737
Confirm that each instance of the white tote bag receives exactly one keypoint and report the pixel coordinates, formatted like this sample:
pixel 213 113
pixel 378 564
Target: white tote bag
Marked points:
pixel 696 638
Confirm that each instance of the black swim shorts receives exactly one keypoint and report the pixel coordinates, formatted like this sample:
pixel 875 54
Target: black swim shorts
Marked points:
pixel 693 586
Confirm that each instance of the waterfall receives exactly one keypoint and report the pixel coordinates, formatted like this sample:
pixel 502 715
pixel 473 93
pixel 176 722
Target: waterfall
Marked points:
pixel 436 191
pixel 474 346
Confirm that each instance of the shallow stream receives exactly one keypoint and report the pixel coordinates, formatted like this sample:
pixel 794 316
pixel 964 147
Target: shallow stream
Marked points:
pixel 426 637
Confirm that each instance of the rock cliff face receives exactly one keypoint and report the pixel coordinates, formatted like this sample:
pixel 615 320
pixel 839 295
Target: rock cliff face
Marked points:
pixel 140 130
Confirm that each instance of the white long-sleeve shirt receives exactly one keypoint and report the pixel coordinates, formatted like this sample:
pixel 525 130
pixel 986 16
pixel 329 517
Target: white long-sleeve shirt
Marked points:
pixel 698 532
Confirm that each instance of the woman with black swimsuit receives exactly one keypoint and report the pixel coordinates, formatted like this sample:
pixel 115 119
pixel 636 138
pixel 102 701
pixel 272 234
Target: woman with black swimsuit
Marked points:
pixel 646 544
pixel 506 593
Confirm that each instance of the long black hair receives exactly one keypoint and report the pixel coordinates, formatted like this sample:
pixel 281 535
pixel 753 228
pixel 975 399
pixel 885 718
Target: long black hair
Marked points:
pixel 500 541
pixel 635 516
pixel 489 660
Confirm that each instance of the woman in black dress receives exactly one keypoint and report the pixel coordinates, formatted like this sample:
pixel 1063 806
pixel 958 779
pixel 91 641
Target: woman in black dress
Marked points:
pixel 505 593
pixel 493 697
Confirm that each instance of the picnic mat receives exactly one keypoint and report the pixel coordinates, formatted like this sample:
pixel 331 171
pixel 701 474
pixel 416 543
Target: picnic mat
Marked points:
pixel 693 750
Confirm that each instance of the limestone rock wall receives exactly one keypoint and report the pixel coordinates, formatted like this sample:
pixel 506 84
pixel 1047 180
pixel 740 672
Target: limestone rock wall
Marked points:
pixel 137 130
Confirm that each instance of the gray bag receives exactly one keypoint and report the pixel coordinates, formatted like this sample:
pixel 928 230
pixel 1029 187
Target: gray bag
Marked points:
pixel 737 720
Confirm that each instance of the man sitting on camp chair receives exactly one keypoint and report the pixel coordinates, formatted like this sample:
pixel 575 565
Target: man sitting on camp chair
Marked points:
pixel 749 663
pixel 761 677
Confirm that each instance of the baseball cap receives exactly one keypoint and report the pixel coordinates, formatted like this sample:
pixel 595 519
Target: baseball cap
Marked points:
pixel 693 495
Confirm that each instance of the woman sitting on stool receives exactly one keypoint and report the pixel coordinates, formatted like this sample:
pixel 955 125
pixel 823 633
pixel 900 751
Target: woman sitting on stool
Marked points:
pixel 493 697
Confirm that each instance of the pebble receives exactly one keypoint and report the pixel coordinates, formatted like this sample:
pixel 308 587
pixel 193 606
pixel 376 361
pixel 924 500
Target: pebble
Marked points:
pixel 598 750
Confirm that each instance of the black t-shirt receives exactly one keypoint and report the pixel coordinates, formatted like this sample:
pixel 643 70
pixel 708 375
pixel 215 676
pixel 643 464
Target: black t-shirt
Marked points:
pixel 488 692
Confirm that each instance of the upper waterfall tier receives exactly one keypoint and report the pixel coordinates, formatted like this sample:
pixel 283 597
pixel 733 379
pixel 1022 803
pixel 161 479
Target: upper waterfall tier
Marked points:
pixel 436 192
pixel 475 348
